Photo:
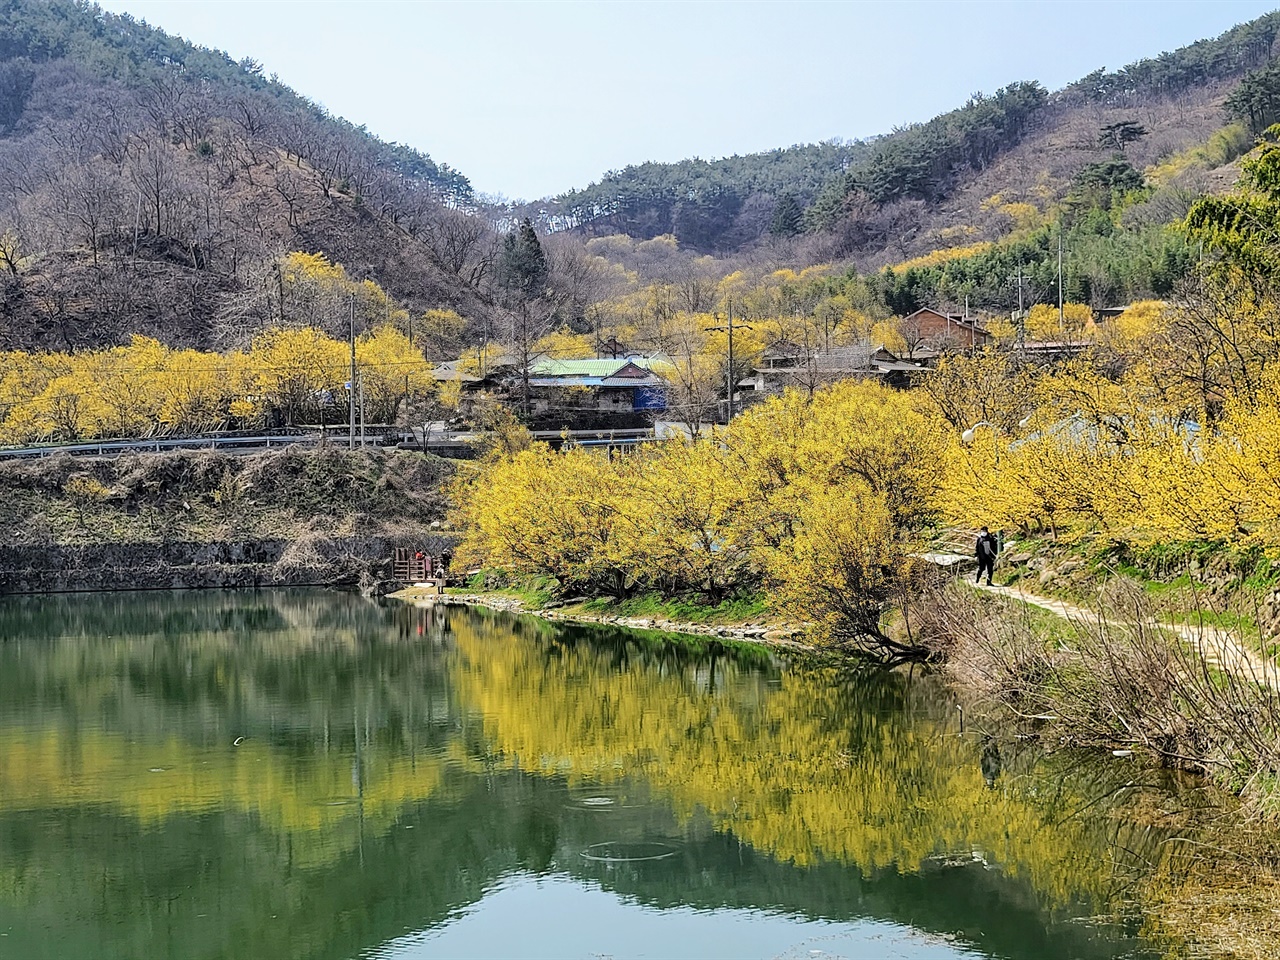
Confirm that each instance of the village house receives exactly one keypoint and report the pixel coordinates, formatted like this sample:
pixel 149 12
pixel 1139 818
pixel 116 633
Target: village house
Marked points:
pixel 580 394
pixel 785 364
pixel 937 331
pixel 601 385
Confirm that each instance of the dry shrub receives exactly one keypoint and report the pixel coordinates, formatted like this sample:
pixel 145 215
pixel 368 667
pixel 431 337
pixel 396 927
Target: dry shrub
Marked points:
pixel 308 551
pixel 1195 702
pixel 991 649
pixel 46 474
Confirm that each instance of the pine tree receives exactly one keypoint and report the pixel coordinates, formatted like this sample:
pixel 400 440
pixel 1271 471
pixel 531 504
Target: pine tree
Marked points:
pixel 787 217
pixel 523 268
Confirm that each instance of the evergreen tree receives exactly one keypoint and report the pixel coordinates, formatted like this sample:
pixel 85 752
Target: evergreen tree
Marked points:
pixel 1257 100
pixel 788 217
pixel 523 268
pixel 1120 135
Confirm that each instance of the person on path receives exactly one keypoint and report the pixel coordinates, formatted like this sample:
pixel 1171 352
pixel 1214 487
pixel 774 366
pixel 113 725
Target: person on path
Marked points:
pixel 986 549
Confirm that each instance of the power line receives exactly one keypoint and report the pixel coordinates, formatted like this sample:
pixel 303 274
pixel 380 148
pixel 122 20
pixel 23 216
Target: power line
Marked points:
pixel 219 368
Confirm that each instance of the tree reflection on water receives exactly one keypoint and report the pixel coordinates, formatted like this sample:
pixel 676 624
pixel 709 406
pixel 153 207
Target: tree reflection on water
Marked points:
pixel 315 774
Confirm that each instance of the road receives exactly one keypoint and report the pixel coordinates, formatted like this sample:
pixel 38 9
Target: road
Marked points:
pixel 114 448
pixel 435 440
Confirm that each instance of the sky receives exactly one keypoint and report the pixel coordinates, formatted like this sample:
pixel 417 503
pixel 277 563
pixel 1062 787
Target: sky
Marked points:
pixel 529 99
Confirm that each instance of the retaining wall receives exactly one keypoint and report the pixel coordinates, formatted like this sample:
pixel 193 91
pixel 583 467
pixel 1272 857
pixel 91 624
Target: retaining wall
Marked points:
pixel 179 565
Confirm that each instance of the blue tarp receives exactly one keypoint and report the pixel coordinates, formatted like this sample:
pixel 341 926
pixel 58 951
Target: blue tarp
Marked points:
pixel 649 398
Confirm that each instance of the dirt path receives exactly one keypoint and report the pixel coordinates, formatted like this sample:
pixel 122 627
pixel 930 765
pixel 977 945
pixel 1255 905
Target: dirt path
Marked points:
pixel 1219 647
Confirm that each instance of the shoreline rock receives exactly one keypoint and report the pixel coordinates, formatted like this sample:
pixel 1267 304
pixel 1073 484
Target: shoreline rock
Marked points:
pixel 774 635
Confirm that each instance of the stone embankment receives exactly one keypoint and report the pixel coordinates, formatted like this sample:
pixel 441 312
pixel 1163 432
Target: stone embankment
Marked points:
pixel 772 634
pixel 362 562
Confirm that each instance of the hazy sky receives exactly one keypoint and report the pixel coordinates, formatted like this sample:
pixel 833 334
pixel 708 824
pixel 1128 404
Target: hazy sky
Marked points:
pixel 529 99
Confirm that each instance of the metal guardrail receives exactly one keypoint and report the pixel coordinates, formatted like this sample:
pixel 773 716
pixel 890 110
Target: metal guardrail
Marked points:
pixel 113 448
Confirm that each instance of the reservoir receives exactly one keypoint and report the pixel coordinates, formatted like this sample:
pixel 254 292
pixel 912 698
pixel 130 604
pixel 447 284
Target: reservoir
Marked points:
pixel 314 775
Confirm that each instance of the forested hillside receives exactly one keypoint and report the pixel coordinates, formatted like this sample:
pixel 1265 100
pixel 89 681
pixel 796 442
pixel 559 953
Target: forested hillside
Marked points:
pixel 922 185
pixel 710 205
pixel 150 186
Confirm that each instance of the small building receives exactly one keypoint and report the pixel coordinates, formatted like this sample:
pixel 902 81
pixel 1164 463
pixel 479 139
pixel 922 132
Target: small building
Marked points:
pixel 785 364
pixel 941 331
pixel 579 391
pixel 782 354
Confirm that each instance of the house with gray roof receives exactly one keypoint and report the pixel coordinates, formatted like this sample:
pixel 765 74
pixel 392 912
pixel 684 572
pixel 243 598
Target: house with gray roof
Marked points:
pixel 583 393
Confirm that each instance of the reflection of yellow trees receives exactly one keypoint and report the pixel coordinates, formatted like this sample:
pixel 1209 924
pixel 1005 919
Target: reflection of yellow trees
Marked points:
pixel 180 669
pixel 798 771
pixel 319 795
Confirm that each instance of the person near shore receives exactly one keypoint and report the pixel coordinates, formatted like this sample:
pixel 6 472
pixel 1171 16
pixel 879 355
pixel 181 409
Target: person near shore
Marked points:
pixel 985 550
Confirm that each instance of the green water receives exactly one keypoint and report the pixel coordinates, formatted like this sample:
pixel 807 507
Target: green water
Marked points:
pixel 307 774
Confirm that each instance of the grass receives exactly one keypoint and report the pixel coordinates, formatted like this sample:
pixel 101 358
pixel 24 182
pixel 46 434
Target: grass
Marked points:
pixel 534 592
pixel 1238 623
pixel 736 610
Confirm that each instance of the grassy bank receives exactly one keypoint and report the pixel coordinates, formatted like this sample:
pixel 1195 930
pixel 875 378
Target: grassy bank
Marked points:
pixel 735 611
pixel 745 618
pixel 545 593
pixel 1200 583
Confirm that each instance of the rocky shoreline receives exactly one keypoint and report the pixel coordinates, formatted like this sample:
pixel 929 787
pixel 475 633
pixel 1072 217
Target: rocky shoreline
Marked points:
pixel 768 634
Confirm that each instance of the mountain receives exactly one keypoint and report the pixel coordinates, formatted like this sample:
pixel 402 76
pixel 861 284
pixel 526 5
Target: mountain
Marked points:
pixel 148 185
pixel 152 186
pixel 924 185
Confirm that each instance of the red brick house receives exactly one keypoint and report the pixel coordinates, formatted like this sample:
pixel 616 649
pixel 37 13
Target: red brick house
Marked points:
pixel 941 331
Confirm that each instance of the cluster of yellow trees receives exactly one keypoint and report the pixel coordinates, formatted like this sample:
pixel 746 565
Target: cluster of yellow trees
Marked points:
pixel 1131 469
pixel 825 498
pixel 811 496
pixel 284 376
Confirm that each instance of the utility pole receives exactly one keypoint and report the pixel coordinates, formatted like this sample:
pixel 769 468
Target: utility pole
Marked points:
pixel 351 391
pixel 1062 326
pixel 730 327
pixel 362 412
pixel 1020 317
